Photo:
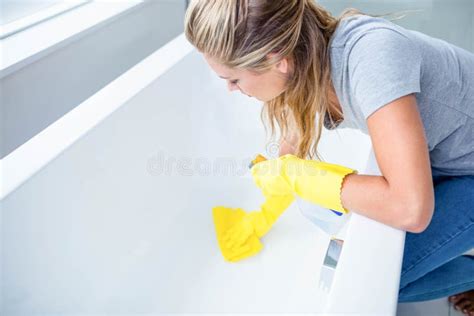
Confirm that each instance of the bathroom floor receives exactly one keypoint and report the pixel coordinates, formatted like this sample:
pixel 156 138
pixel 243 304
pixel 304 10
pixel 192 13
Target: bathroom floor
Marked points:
pixel 438 307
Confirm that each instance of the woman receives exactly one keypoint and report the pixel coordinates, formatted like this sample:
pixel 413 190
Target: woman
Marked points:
pixel 411 93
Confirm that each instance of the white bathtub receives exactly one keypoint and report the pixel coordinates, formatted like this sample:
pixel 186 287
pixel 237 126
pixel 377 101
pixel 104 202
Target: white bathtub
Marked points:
pixel 95 223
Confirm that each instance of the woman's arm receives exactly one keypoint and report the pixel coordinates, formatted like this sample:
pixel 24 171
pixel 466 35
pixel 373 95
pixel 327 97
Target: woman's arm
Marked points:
pixel 288 146
pixel 403 196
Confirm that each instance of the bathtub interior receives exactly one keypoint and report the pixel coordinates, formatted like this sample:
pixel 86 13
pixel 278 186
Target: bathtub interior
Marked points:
pixel 120 222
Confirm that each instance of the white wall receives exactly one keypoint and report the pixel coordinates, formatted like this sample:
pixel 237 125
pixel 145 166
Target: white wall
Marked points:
pixel 40 93
pixel 450 20
pixel 17 9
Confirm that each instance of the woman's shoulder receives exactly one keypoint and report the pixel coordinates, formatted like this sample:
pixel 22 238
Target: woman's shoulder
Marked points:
pixel 352 28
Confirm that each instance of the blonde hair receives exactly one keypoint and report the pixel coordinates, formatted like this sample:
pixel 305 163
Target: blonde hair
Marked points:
pixel 241 33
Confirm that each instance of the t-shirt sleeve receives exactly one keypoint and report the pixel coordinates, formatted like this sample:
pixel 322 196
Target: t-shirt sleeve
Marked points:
pixel 383 65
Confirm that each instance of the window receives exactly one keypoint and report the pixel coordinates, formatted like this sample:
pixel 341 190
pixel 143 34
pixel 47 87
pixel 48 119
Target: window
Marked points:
pixel 18 15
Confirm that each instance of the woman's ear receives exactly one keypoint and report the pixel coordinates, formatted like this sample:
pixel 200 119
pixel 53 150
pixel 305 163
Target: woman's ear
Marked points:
pixel 283 65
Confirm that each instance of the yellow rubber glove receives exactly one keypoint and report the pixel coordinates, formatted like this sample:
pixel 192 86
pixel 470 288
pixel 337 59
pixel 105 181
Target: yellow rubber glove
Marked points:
pixel 319 182
pixel 315 181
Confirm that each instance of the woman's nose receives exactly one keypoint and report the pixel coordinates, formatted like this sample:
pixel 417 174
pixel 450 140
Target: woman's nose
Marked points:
pixel 232 86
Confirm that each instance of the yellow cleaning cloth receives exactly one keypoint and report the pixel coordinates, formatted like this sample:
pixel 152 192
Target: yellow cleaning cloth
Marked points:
pixel 224 219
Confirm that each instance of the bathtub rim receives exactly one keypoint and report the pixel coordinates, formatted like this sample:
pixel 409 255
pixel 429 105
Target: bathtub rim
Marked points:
pixel 378 295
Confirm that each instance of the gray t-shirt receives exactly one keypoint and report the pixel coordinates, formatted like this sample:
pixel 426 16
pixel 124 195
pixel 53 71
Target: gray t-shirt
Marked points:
pixel 375 61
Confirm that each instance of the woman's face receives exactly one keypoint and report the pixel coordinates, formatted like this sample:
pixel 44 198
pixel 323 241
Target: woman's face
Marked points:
pixel 263 87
